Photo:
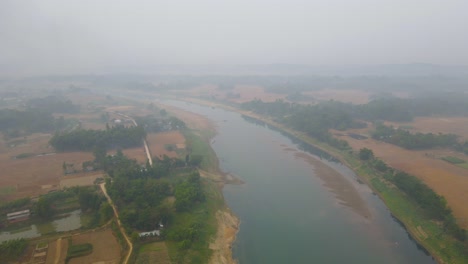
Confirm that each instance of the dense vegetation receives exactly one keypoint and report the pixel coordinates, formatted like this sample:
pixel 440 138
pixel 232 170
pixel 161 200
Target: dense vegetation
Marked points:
pixel 53 104
pixel 85 140
pixel 14 123
pixel 405 139
pixel 315 120
pixel 434 205
pixel 141 190
pixel 12 249
pixel 36 117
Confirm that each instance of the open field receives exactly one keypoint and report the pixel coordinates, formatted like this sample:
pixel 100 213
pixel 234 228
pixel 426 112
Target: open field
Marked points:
pixel 445 125
pixel 57 251
pixel 86 180
pixel 354 96
pixel 444 178
pixel 38 173
pixel 106 248
pixel 245 93
pixel 157 143
pixel 155 252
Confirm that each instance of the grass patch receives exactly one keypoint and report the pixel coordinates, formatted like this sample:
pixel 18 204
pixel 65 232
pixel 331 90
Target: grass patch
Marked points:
pixel 24 155
pixel 201 147
pixel 202 216
pixel 42 244
pixel 6 190
pixel 453 160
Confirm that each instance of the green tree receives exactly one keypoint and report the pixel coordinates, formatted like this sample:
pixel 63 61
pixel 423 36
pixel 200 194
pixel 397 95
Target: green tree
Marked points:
pixel 44 207
pixel 366 154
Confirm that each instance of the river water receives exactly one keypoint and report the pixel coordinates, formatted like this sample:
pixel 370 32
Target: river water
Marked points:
pixel 297 205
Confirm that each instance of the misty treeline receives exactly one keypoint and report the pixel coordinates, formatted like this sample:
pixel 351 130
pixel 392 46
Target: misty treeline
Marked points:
pixel 36 116
pixel 415 84
pixel 118 136
pixel 405 139
pixel 434 205
pixel 317 119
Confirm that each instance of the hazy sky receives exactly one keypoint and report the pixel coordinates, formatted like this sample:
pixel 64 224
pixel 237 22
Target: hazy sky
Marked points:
pixel 59 36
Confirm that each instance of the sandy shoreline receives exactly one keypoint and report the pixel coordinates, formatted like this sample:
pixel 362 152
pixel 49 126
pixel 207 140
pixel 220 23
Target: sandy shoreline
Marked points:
pixel 228 226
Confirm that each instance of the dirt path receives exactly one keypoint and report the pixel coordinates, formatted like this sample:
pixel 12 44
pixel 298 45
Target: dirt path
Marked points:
pixel 59 248
pixel 130 245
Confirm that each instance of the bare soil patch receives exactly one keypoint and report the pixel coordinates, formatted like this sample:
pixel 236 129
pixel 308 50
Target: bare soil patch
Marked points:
pixel 228 225
pixel 444 178
pixel 157 143
pixel 86 180
pixel 137 153
pixel 106 248
pixel 57 251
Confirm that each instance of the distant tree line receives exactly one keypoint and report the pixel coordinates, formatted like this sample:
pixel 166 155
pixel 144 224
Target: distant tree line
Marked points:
pixel 434 205
pixel 315 120
pixel 14 123
pixel 85 140
pixel 53 104
pixel 405 139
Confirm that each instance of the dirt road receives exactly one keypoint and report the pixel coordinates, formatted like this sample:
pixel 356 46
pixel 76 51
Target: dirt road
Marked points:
pixel 130 245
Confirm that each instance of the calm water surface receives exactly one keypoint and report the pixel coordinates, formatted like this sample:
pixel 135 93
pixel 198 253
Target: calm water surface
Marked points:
pixel 287 212
pixel 70 221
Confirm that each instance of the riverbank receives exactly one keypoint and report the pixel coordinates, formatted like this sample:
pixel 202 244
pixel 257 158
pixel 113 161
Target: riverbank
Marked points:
pixel 227 224
pixel 429 234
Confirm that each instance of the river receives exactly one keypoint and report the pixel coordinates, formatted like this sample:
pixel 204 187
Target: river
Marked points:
pixel 297 205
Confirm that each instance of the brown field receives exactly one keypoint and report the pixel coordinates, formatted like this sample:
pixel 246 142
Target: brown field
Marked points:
pixel 106 248
pixel 445 125
pixel 137 153
pixel 246 93
pixel 444 178
pixel 36 174
pixel 57 251
pixel 158 141
pixel 194 121
pixel 250 92
pixel 86 180
pixel 354 96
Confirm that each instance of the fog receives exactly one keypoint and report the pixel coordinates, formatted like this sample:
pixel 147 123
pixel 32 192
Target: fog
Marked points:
pixel 106 36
